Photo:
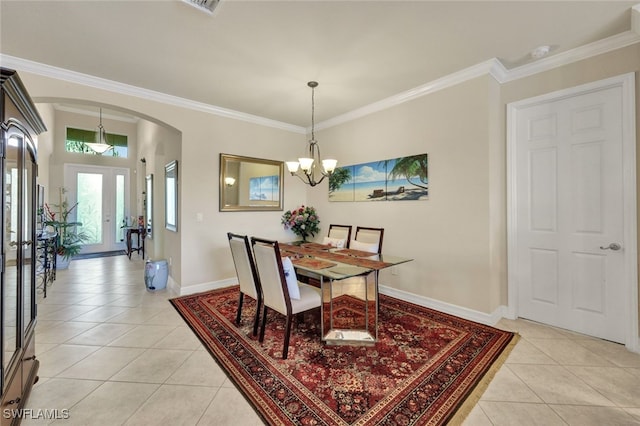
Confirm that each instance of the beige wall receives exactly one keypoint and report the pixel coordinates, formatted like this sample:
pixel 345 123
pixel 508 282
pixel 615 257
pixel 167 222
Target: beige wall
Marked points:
pixel 45 145
pixel 158 145
pixel 199 250
pixel 457 238
pixel 450 235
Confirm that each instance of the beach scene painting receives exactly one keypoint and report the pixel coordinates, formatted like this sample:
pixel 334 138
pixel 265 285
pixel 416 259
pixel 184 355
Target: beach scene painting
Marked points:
pixel 404 178
pixel 264 188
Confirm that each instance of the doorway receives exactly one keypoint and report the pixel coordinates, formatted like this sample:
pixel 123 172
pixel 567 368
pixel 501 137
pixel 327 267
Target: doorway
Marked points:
pixel 572 240
pixel 102 194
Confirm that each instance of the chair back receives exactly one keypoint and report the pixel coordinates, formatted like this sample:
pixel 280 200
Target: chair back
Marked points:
pixel 245 266
pixel 370 236
pixel 342 232
pixel 271 273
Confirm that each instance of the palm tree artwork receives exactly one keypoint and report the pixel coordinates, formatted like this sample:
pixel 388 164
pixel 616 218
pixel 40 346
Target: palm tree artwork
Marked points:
pixel 404 178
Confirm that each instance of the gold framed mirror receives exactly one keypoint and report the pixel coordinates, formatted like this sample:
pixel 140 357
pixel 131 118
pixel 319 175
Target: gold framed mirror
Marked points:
pixel 250 184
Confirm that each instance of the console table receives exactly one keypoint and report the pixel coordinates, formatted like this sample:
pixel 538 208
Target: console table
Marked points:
pixel 140 234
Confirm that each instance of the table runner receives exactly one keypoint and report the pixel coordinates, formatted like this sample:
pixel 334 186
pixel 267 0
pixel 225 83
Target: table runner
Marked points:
pixel 312 263
pixel 356 253
pixel 317 246
pixel 350 260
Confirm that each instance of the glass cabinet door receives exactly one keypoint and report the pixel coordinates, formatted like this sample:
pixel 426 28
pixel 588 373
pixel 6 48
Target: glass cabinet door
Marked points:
pixel 29 243
pixel 11 244
pixel 18 297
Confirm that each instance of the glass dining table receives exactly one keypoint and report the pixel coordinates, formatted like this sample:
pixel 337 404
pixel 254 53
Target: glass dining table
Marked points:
pixel 346 318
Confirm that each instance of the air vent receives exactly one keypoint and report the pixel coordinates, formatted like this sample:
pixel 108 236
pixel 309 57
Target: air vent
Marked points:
pixel 207 6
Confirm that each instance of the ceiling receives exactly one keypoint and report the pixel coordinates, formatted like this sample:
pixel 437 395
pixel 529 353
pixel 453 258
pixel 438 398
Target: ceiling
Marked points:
pixel 256 57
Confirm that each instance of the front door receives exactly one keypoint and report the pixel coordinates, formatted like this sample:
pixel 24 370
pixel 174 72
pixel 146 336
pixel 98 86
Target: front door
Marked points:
pixel 571 257
pixel 102 194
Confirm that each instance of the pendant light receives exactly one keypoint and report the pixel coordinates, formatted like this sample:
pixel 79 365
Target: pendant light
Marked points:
pixel 100 146
pixel 307 165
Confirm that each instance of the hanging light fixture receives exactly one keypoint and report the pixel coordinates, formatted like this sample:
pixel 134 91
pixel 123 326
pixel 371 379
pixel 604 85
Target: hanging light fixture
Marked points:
pixel 100 146
pixel 308 164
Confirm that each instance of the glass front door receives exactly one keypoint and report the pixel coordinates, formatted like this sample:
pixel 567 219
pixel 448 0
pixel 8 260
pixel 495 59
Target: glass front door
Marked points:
pixel 101 194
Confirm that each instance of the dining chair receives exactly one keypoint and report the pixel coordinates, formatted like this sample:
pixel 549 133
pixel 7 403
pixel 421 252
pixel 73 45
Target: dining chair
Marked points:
pixel 338 236
pixel 368 239
pixel 247 275
pixel 282 293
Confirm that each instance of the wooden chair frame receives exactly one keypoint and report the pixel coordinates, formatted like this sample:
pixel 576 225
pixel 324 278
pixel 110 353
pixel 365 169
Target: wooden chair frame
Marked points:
pixel 347 227
pixel 365 228
pixel 254 276
pixel 289 314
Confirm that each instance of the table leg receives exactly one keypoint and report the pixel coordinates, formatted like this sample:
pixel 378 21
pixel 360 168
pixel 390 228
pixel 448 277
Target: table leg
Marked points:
pixel 129 243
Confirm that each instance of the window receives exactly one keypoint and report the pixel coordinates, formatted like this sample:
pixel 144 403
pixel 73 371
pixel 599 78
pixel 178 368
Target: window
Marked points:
pixel 77 139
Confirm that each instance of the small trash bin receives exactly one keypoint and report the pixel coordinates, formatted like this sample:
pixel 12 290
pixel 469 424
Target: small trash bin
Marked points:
pixel 156 274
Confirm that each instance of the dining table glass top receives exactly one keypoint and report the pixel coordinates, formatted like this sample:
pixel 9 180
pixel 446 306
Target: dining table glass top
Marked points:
pixel 335 263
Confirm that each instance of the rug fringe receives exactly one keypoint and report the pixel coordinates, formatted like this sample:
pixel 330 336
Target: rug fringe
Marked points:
pixel 472 400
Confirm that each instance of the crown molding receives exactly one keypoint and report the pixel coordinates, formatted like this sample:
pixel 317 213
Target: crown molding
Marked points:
pixel 599 47
pixel 492 67
pixel 456 78
pixel 83 111
pixel 495 68
pixel 125 89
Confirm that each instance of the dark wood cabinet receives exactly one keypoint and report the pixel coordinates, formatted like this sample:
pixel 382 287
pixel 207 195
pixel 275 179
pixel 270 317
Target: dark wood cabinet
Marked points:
pixel 18 167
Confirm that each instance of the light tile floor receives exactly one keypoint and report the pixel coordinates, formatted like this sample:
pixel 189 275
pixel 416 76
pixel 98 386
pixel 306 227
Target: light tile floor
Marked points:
pixel 113 353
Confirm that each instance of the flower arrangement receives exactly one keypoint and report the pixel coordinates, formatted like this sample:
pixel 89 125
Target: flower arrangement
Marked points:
pixel 69 238
pixel 303 221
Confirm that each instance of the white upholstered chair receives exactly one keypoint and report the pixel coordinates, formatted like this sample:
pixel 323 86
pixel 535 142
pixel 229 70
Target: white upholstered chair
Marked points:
pixel 365 239
pixel 339 236
pixel 279 294
pixel 247 275
pixel 368 239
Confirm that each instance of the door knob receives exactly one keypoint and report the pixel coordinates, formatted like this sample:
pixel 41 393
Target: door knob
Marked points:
pixel 612 246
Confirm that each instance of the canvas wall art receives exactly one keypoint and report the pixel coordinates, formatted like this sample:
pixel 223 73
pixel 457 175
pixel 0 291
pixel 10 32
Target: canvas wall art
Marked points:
pixel 398 179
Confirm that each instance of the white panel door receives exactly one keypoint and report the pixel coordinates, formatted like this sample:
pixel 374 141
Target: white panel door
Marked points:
pixel 569 210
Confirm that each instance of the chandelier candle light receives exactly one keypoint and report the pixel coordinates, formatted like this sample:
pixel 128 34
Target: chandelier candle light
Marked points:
pixel 308 164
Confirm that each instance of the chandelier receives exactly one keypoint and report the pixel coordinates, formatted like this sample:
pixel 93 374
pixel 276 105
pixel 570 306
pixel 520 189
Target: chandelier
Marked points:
pixel 100 146
pixel 307 165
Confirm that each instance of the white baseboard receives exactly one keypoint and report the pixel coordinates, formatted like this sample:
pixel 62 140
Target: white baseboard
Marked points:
pixel 468 314
pixel 199 288
pixel 447 308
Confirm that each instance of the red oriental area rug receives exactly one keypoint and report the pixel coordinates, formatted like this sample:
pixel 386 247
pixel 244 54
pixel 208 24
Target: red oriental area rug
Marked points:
pixel 420 372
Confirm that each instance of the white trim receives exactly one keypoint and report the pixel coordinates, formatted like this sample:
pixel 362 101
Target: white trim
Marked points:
pixel 579 53
pixel 453 79
pixel 199 288
pixel 125 89
pixel 492 67
pixel 459 311
pixel 627 84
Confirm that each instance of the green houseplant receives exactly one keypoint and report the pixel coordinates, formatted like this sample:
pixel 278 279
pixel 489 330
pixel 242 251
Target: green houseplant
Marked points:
pixel 69 239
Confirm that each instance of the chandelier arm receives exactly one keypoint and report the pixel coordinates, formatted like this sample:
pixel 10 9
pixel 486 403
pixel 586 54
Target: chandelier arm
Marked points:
pixel 308 181
pixel 321 179
pixel 311 178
